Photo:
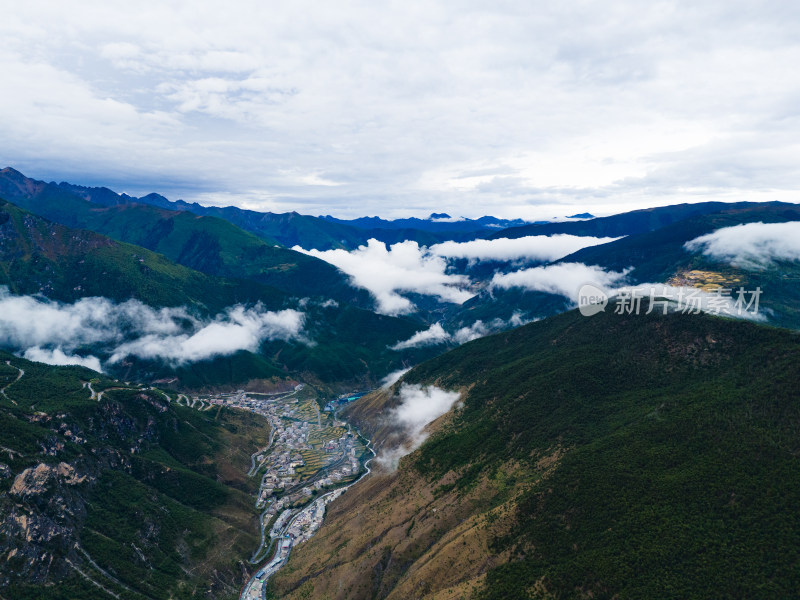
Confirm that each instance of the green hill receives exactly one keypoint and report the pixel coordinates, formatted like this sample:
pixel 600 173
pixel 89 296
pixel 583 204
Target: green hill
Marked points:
pixel 38 256
pixel 349 344
pixel 603 457
pixel 207 244
pixel 130 496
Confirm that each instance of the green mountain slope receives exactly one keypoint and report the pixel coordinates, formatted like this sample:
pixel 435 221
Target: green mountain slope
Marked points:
pixel 207 244
pixel 606 457
pixel 41 257
pixel 287 229
pixel 349 344
pixel 130 496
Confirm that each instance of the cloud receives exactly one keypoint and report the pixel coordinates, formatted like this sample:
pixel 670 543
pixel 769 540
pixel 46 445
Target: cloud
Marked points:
pixel 427 337
pixel 403 267
pixel 436 334
pixel 393 378
pixel 408 267
pixel 491 108
pixel 752 245
pixel 239 329
pixel 54 331
pixel 56 356
pixel 532 248
pixel 564 279
pixel 472 332
pixel 418 407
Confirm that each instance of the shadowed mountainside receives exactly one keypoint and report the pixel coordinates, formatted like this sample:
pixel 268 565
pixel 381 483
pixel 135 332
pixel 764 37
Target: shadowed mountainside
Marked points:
pixel 611 456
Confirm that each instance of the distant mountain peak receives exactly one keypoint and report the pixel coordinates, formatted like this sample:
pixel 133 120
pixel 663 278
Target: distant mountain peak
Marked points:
pixel 435 216
pixel 584 215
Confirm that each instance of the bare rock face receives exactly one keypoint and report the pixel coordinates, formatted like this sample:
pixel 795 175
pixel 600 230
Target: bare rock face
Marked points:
pixel 35 481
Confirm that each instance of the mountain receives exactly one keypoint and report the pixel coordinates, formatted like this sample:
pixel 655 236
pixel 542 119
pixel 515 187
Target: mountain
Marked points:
pixel 207 244
pixel 41 257
pixel 629 456
pixel 286 229
pixel 436 222
pixel 660 256
pixel 631 223
pixel 346 343
pixel 128 496
pixel 655 256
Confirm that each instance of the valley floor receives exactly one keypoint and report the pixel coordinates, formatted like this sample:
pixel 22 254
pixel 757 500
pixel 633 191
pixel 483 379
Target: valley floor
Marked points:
pixel 311 459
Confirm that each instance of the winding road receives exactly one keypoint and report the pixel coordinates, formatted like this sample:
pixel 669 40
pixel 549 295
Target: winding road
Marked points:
pixel 21 373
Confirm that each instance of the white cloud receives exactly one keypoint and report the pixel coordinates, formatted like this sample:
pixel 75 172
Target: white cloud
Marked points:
pixel 533 248
pixel 409 267
pixel 418 407
pixel 507 108
pixel 472 332
pixel 56 356
pixel 427 337
pixel 564 279
pixel 393 378
pixel 752 245
pixel 436 334
pixel 239 329
pixel 404 267
pixel 53 330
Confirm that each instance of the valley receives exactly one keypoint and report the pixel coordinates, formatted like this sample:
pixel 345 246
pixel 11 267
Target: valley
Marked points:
pixel 311 459
pixel 399 301
pixel 526 451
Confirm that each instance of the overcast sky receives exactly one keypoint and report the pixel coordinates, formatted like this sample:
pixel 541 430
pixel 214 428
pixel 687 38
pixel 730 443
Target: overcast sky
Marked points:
pixel 530 109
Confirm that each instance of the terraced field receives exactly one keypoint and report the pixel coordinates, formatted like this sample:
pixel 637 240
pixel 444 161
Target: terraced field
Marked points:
pixel 322 436
pixel 314 459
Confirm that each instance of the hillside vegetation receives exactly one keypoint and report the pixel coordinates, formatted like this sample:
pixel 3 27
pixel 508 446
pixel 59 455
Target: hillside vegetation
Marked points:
pixel 129 496
pixel 605 457
pixel 203 243
pixel 347 343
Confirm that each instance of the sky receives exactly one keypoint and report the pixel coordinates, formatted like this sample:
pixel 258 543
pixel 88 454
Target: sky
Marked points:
pixel 512 108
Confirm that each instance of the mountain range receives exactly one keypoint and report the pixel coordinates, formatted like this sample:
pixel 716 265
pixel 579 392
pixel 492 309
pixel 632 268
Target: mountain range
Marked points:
pixel 287 229
pixel 620 455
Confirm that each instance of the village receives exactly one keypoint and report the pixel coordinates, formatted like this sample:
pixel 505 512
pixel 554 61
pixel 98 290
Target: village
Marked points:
pixel 310 459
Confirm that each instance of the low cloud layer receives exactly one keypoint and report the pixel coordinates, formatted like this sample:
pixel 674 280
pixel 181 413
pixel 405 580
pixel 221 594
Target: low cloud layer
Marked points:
pixel 407 267
pixel 436 334
pixel 752 245
pixel 419 406
pixel 393 377
pixel 58 357
pixel 541 248
pixel 403 267
pixel 432 336
pixel 564 279
pixel 238 329
pixel 53 332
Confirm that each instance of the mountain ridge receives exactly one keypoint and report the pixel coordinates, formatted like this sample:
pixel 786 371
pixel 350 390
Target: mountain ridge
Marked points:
pixel 617 455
